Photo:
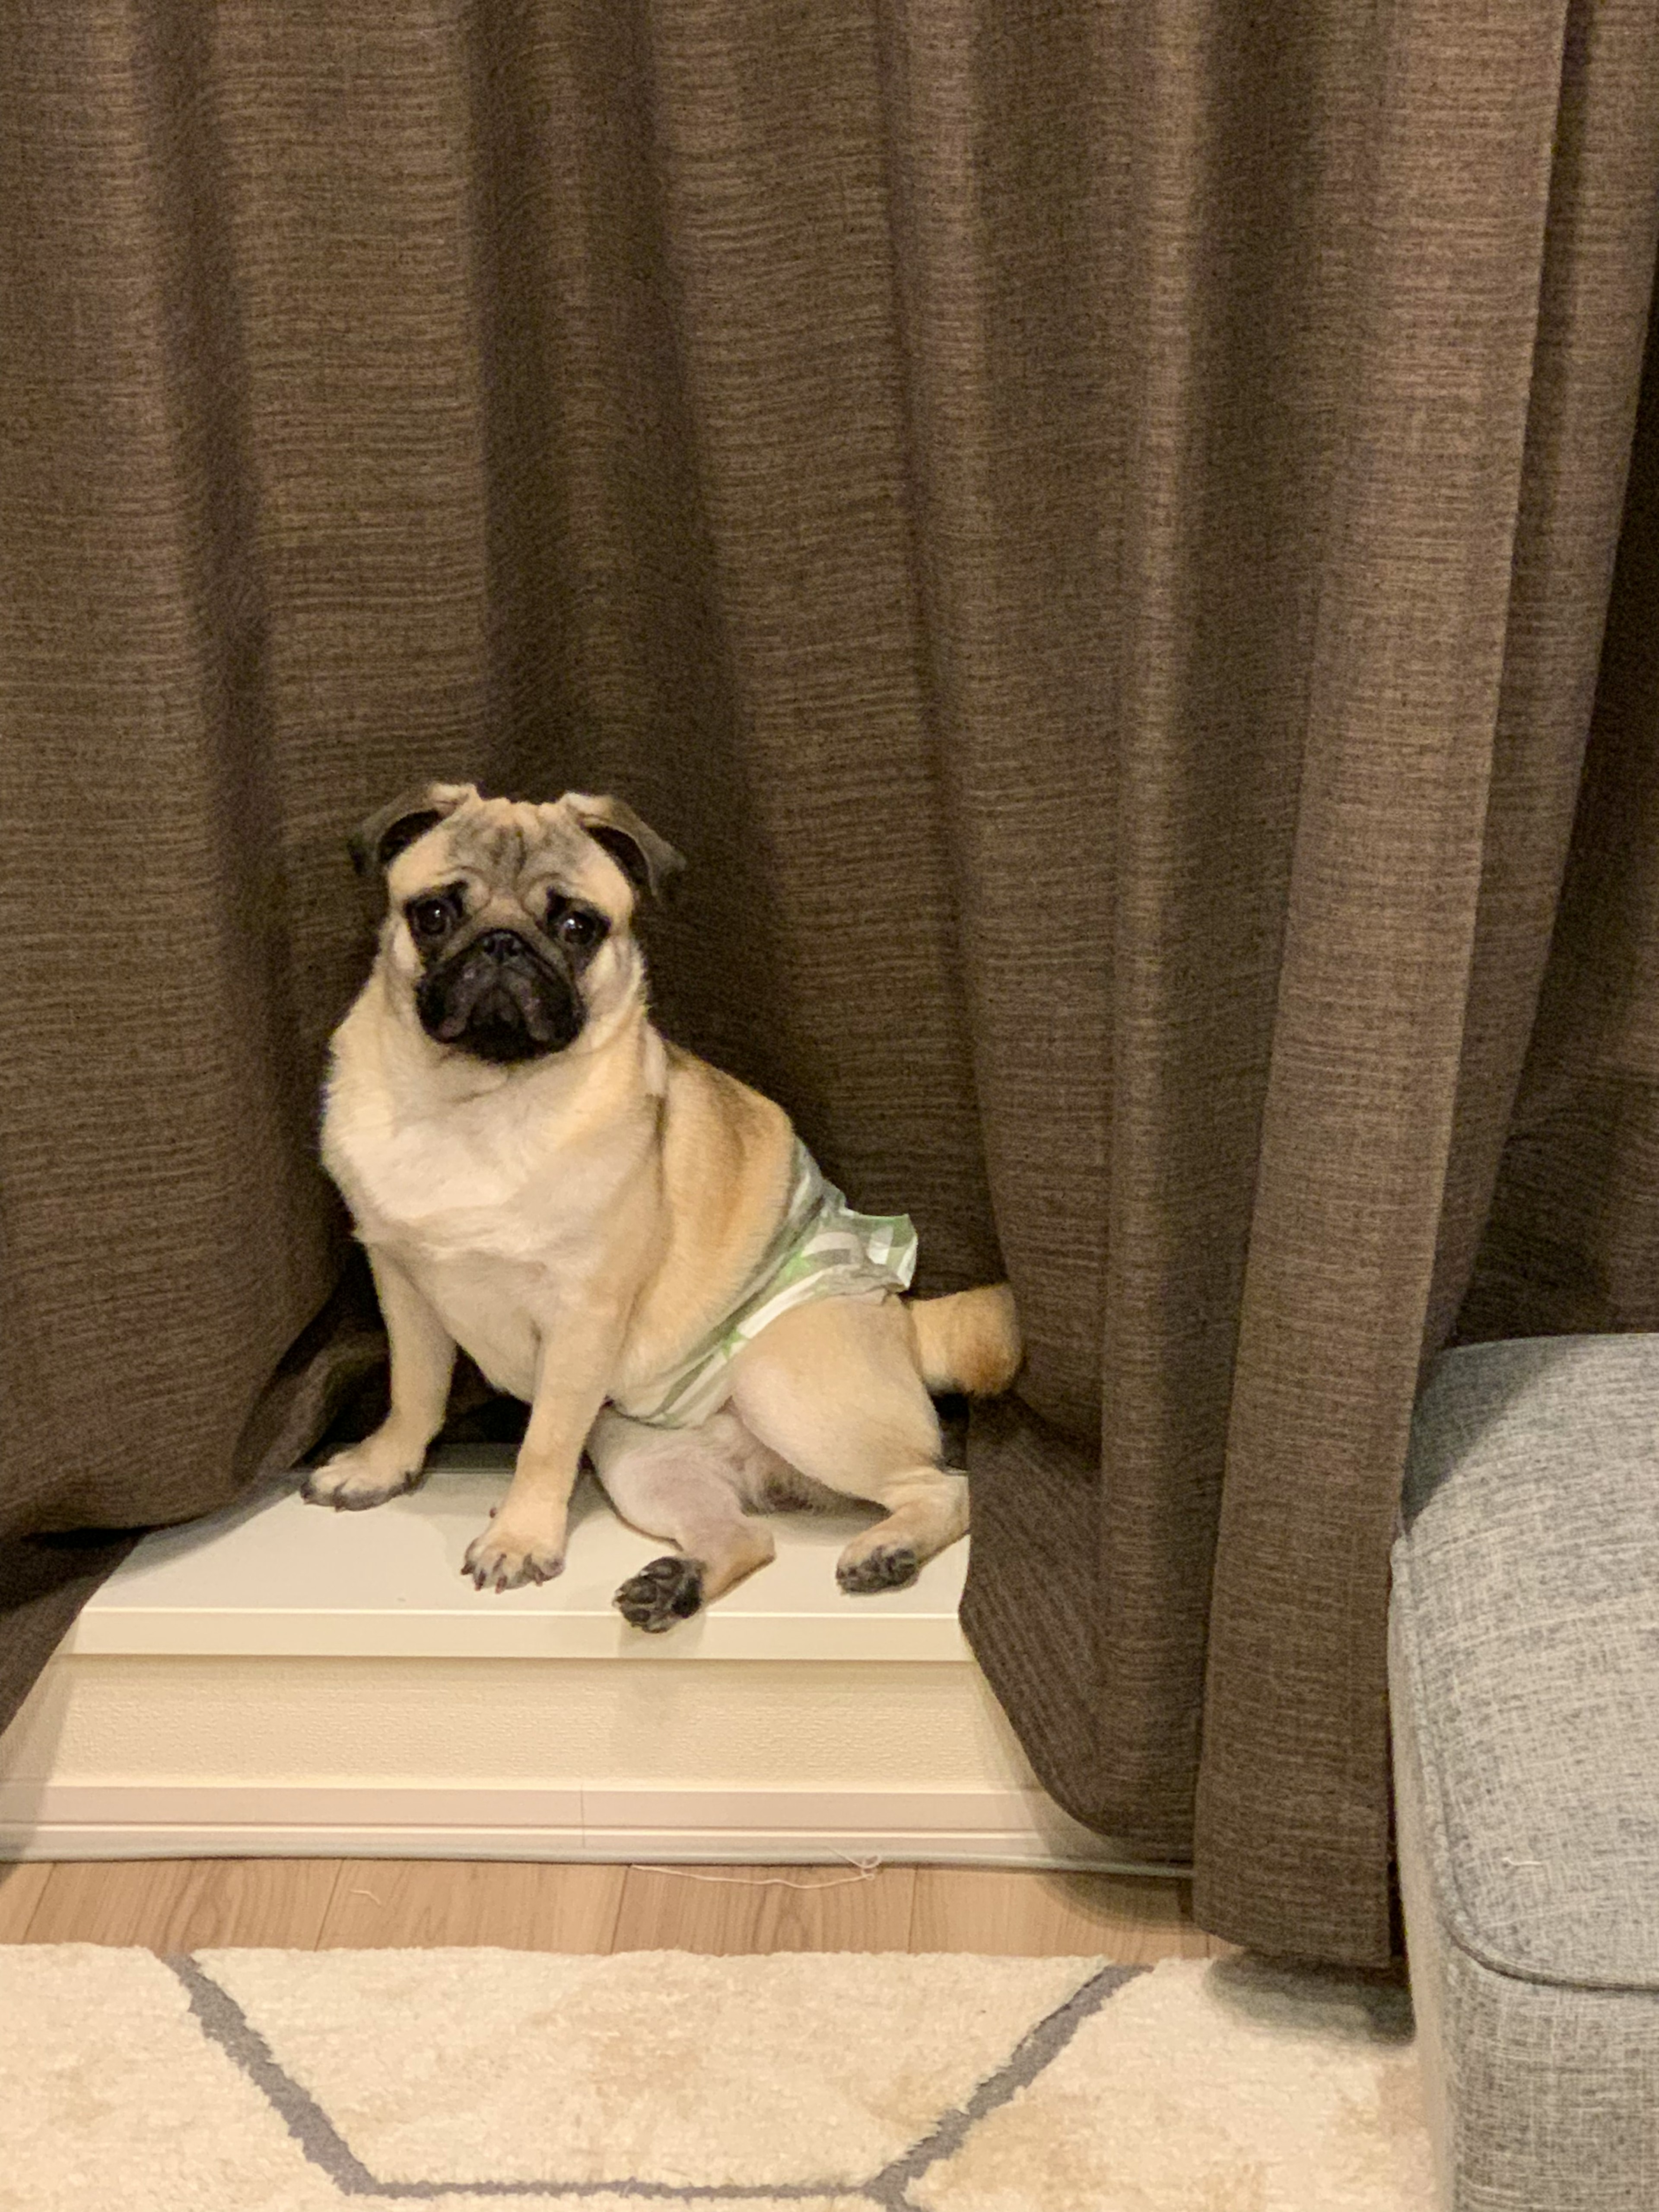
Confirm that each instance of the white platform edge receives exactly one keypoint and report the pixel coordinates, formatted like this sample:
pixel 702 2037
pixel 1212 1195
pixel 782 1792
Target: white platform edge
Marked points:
pixel 966 1827
pixel 272 1578
pixel 114 1630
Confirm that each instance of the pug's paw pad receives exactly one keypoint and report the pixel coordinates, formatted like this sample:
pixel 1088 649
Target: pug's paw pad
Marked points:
pixel 498 1560
pixel 356 1479
pixel 668 1590
pixel 889 1566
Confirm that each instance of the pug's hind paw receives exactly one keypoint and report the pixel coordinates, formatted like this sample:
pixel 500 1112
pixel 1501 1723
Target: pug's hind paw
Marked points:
pixel 889 1566
pixel 669 1590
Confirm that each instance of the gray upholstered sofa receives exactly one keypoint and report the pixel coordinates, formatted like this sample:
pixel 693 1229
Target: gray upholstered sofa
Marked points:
pixel 1524 1669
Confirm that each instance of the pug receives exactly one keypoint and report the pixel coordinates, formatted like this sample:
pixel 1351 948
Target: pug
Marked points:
pixel 635 1243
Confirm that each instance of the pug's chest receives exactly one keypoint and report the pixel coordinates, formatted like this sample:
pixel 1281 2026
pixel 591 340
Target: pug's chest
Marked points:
pixel 498 1249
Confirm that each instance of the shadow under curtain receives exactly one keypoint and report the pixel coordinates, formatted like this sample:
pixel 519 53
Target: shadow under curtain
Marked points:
pixel 1106 533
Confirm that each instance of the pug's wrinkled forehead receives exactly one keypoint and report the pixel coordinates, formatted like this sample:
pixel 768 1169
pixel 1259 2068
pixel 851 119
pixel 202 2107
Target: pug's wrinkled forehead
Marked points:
pixel 588 847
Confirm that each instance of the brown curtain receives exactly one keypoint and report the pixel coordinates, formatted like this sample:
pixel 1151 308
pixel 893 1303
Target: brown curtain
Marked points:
pixel 1093 526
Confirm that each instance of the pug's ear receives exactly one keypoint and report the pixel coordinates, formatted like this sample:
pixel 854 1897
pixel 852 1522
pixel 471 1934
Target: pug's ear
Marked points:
pixel 649 862
pixel 377 842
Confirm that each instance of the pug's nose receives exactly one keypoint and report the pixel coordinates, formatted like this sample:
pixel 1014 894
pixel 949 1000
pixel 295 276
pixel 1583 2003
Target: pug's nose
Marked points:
pixel 501 944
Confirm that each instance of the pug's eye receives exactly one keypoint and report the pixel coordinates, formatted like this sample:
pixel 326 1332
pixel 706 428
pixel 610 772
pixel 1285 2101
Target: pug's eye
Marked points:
pixel 579 929
pixel 429 919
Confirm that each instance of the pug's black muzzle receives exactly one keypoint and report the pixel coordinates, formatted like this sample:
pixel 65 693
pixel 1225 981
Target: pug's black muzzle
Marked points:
pixel 499 999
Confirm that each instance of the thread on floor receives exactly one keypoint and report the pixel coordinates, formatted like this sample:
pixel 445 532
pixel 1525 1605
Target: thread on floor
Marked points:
pixel 864 1870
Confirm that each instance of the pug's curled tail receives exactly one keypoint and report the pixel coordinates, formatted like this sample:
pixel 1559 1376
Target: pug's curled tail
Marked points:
pixel 969 1341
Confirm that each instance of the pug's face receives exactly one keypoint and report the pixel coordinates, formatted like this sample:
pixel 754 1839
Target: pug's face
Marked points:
pixel 510 926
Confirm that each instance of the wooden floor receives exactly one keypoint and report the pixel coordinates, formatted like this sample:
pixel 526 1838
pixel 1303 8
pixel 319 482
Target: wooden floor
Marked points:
pixel 187 1904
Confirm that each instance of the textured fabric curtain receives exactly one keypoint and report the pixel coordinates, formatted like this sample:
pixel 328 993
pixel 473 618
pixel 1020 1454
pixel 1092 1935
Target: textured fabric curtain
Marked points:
pixel 1092 525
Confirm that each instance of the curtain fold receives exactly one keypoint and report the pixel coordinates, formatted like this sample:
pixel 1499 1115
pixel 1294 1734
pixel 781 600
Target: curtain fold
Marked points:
pixel 1571 1234
pixel 1407 667
pixel 1103 532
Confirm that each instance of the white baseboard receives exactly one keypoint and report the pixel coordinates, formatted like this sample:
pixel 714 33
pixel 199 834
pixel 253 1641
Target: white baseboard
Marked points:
pixel 946 1827
pixel 645 1846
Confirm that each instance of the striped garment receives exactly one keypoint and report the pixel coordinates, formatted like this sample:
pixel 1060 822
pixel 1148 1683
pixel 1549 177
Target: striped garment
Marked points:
pixel 821 1250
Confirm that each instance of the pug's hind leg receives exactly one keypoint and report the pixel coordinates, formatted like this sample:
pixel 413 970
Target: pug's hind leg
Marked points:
pixel 680 1484
pixel 834 1389
pixel 423 1360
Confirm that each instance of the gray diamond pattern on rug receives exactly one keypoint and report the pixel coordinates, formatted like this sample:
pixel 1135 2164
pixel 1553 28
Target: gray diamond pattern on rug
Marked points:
pixel 293 2081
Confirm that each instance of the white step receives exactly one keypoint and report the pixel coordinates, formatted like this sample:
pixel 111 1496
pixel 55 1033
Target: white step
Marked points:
pixel 283 1680
pixel 276 1576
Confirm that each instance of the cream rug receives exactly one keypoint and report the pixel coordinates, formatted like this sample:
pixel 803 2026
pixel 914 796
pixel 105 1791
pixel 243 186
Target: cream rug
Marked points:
pixel 297 2082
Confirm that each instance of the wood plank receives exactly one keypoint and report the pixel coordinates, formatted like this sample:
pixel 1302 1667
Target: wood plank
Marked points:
pixel 21 1887
pixel 1015 1913
pixel 185 1905
pixel 191 1904
pixel 423 1903
pixel 729 1911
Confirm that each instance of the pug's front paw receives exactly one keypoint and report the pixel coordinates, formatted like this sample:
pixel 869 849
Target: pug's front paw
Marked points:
pixel 504 1559
pixel 361 1477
